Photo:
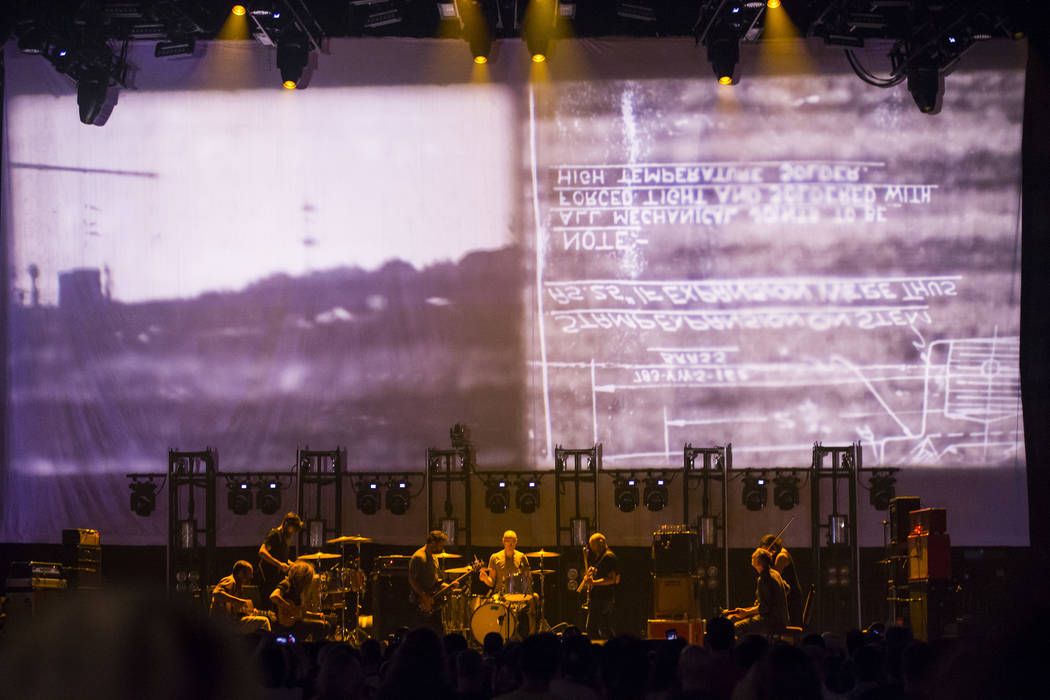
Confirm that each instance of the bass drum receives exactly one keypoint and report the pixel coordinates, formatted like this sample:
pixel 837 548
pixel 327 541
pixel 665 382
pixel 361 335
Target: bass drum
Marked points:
pixel 493 617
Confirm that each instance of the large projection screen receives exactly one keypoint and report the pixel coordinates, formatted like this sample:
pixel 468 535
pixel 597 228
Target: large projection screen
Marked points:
pixel 610 249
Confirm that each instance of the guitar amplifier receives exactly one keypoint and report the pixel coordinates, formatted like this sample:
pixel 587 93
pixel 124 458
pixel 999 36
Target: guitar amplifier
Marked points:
pixel 80 537
pixel 34 576
pixel 900 524
pixel 929 557
pixel 391 607
pixel 674 596
pixel 928 521
pixel 674 550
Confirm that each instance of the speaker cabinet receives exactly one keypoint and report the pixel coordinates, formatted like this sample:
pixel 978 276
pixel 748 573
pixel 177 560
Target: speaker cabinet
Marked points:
pixel 391 607
pixel 929 557
pixel 674 596
pixel 932 608
pixel 900 525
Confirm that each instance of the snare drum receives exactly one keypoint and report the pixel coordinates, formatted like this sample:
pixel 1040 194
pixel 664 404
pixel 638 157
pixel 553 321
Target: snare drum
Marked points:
pixel 493 617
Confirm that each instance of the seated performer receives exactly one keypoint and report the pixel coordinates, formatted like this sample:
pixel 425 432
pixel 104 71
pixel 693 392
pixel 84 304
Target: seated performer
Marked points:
pixel 425 582
pixel 509 576
pixel 769 613
pixel 228 601
pixel 600 581
pixel 785 566
pixel 273 552
pixel 289 600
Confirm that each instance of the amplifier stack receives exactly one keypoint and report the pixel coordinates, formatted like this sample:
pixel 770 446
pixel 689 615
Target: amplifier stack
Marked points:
pixel 675 595
pixel 83 558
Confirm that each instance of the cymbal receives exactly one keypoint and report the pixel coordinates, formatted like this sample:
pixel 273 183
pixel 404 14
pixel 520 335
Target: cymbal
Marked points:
pixel 350 538
pixel 459 570
pixel 448 555
pixel 337 591
pixel 541 554
pixel 317 556
pixel 545 572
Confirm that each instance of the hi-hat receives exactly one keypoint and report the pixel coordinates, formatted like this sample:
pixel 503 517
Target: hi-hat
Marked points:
pixel 317 556
pixel 541 554
pixel 448 555
pixel 350 538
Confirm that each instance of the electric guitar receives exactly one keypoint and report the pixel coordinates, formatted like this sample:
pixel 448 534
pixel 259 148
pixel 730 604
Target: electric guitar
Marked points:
pixel 426 603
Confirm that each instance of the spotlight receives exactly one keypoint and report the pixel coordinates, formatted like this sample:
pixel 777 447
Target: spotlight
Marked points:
pixel 497 496
pixel 528 496
pixel 476 30
pixel 785 491
pixel 626 494
pixel 397 498
pixel 540 16
pixel 268 498
pixel 368 500
pixel 723 51
pixel 293 53
pixel 143 498
pixel 924 84
pixel 91 95
pixel 882 490
pixel 655 494
pixel 754 494
pixel 239 497
pixel 238 10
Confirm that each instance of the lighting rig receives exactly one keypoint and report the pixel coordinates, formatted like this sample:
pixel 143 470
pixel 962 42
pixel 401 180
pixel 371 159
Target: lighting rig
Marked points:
pixel 289 27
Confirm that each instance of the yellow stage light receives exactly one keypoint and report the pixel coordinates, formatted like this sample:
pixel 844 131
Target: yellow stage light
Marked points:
pixel 480 60
pixel 725 80
pixel 772 4
pixel 239 10
pixel 289 84
pixel 538 58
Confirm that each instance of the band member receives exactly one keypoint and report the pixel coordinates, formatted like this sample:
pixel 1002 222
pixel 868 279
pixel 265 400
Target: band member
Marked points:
pixel 425 582
pixel 509 576
pixel 229 603
pixel 599 582
pixel 289 600
pixel 769 613
pixel 273 552
pixel 785 565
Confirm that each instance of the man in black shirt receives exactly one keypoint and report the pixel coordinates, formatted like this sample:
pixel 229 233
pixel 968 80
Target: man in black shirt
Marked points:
pixel 785 566
pixel 424 580
pixel 600 581
pixel 273 552
pixel 769 613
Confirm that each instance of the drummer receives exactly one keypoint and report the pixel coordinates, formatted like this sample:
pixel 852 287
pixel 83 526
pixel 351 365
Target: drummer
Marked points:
pixel 510 578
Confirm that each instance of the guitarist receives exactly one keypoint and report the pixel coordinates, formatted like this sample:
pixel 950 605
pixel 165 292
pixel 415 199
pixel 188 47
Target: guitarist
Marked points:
pixel 425 582
pixel 273 552
pixel 289 600
pixel 229 601
pixel 600 581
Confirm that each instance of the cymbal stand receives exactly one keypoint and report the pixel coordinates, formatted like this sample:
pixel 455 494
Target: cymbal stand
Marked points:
pixel 356 636
pixel 543 625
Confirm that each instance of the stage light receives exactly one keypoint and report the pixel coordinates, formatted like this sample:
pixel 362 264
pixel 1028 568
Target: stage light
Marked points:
pixel 723 51
pixel 268 497
pixel 538 58
pixel 540 18
pixel 924 84
pixel 239 497
pixel 755 493
pixel 497 496
pixel 368 500
pixel 143 498
pixel 293 53
pixel 785 491
pixel 625 494
pixel 527 497
pixel 238 10
pixel 91 95
pixel 397 498
pixel 481 60
pixel 174 48
pixel 772 4
pixel 882 490
pixel 655 495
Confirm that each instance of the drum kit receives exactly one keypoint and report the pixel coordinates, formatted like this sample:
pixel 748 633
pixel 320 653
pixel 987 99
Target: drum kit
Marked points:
pixel 339 589
pixel 478 615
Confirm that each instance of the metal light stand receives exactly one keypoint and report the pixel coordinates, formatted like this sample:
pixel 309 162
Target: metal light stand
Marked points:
pixel 575 467
pixel 714 472
pixel 845 466
pixel 323 470
pixel 449 467
pixel 190 566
